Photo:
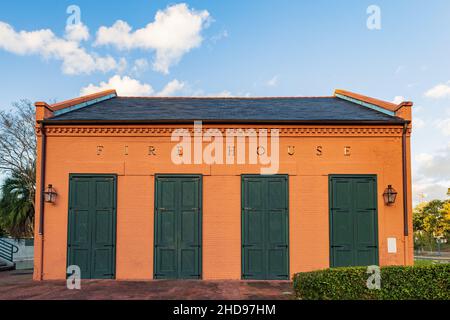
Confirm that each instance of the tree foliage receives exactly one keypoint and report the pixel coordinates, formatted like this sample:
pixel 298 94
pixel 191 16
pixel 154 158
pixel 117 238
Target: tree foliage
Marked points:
pixel 18 162
pixel 431 221
pixel 16 207
pixel 446 211
pixel 18 141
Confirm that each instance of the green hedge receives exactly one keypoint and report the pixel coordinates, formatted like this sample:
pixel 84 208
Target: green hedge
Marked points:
pixel 397 283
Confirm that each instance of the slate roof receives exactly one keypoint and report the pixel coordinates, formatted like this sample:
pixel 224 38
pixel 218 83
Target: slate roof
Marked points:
pixel 133 109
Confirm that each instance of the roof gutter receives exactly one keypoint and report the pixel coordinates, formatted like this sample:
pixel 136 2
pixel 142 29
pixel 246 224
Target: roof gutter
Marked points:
pixel 42 186
pixel 41 200
pixel 405 182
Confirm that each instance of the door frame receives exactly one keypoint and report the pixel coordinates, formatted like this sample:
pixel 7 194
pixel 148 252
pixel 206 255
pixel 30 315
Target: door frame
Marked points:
pixel 242 220
pixel 330 199
pixel 93 175
pixel 200 229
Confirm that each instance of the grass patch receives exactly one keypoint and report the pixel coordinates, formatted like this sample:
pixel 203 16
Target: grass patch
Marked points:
pixel 419 263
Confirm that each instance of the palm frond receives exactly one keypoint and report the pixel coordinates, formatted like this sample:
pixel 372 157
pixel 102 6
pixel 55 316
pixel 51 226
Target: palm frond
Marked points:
pixel 16 206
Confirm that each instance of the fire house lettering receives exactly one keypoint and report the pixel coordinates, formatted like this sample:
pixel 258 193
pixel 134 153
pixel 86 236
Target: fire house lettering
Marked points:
pixel 291 150
pixel 347 151
pixel 99 150
pixel 260 151
pixel 151 151
pixel 319 151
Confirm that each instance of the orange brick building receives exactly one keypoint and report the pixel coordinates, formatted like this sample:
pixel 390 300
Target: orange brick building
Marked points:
pixel 114 199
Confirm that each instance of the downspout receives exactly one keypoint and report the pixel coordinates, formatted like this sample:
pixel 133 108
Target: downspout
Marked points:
pixel 405 182
pixel 42 202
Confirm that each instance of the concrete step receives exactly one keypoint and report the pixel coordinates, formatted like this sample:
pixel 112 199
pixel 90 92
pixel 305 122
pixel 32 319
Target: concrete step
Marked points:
pixel 24 264
pixel 6 267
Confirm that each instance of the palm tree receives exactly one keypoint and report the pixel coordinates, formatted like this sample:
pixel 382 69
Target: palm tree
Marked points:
pixel 17 206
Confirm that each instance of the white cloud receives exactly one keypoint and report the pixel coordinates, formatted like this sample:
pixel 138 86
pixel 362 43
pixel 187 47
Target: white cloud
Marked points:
pixel 429 189
pixel 398 99
pixel 118 34
pixel 174 32
pixel 417 109
pixel 75 59
pixel 418 123
pixel 221 35
pixel 140 65
pixel 424 159
pixel 126 86
pixel 432 177
pixel 222 94
pixel 171 88
pixel 439 91
pixel 272 82
pixel 77 32
pixel 444 126
pixel 399 69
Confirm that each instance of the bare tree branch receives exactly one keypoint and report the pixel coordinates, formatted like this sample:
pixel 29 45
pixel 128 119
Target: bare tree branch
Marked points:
pixel 18 143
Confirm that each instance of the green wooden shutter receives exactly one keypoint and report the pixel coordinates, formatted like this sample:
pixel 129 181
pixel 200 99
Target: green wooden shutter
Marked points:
pixel 253 237
pixel 265 227
pixel 178 227
pixel 342 223
pixel 166 229
pixel 189 228
pixel 353 221
pixel 277 239
pixel 79 238
pixel 365 220
pixel 103 228
pixel 92 225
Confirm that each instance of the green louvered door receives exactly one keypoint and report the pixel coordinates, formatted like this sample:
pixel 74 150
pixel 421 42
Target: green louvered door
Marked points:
pixel 92 225
pixel 178 209
pixel 353 221
pixel 265 238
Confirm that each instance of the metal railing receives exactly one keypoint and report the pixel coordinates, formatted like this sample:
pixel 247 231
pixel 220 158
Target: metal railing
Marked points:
pixel 7 250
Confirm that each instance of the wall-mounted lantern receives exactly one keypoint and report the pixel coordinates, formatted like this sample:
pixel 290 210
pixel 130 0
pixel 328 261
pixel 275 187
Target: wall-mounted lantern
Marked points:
pixel 389 195
pixel 50 194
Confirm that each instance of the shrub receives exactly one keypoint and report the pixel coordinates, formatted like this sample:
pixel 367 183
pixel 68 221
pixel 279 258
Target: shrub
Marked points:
pixel 397 283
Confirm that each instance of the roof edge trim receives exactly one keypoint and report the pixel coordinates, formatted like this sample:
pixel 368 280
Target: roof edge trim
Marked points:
pixel 395 121
pixel 366 104
pixel 86 102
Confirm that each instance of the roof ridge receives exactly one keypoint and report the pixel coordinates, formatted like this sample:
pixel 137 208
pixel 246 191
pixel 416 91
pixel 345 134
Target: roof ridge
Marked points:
pixel 230 98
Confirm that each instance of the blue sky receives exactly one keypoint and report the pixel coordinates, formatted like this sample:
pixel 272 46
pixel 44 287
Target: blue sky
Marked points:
pixel 252 47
